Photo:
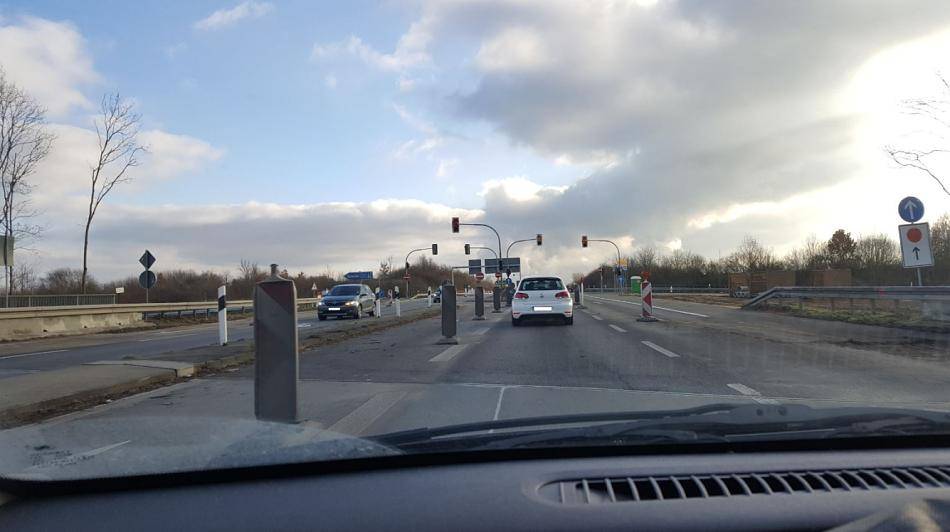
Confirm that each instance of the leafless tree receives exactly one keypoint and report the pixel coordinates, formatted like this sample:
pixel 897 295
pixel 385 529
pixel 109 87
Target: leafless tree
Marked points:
pixel 24 142
pixel 117 128
pixel 751 256
pixel 936 111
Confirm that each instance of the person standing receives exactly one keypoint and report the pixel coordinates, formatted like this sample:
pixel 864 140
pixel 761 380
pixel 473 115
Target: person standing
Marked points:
pixel 396 292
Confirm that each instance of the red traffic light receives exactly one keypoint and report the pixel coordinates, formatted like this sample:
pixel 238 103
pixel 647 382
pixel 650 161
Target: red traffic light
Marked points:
pixel 538 238
pixel 455 224
pixel 435 249
pixel 584 241
pixel 468 249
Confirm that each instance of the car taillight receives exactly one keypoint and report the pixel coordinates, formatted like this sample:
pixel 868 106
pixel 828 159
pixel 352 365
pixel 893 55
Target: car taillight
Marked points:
pixel 521 295
pixel 562 294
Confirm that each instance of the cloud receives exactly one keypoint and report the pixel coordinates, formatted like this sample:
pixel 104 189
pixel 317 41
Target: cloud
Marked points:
pixel 223 18
pixel 170 155
pixel 49 60
pixel 518 189
pixel 411 51
pixel 446 167
pixel 517 49
pixel 172 51
pixel 330 81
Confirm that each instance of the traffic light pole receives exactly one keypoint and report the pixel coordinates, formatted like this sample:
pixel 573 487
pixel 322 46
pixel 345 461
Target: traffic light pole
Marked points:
pixel 619 287
pixel 407 267
pixel 494 231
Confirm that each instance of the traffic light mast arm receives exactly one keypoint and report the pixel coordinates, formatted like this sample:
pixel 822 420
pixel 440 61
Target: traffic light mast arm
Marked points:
pixel 495 253
pixel 508 251
pixel 413 251
pixel 610 241
pixel 496 235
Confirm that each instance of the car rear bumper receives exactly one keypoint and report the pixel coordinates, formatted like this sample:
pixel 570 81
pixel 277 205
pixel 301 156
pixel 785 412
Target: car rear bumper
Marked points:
pixel 539 309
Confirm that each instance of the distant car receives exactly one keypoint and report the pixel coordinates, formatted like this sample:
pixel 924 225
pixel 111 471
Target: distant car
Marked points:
pixel 352 300
pixel 542 297
pixel 437 295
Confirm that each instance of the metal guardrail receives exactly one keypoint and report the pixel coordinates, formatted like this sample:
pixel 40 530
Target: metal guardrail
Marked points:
pixel 146 309
pixel 54 300
pixel 908 293
pixel 673 289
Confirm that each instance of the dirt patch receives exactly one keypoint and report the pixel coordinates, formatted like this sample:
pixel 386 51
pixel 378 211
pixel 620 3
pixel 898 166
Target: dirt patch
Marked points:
pixel 906 317
pixel 722 300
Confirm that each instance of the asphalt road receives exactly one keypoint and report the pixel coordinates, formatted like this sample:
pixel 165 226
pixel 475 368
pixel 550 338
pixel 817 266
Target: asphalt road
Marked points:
pixel 403 378
pixel 17 358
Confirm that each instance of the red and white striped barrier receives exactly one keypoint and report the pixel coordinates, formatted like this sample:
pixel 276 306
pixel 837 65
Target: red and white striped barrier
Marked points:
pixel 646 298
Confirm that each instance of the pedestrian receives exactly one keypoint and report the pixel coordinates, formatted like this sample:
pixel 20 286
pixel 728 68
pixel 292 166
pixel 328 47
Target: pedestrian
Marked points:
pixel 396 292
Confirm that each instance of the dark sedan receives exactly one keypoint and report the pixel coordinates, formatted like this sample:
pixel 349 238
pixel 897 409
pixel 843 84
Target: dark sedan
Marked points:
pixel 353 300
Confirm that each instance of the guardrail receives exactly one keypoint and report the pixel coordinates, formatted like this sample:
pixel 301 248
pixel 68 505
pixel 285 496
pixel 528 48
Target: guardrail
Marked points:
pixel 54 300
pixel 146 309
pixel 872 293
pixel 673 289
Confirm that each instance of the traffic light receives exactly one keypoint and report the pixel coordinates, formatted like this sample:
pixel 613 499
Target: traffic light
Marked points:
pixel 584 241
pixel 407 266
pixel 455 224
pixel 435 249
pixel 539 239
pixel 468 249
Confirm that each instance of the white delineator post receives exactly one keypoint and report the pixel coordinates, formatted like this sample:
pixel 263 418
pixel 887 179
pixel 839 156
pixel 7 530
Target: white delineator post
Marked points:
pixel 222 315
pixel 379 309
pixel 398 310
pixel 646 298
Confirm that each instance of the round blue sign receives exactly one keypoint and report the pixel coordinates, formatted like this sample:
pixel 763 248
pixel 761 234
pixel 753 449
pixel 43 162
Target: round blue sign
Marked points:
pixel 910 209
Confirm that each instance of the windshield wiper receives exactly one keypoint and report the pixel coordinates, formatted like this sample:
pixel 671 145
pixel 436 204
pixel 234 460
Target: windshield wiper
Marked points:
pixel 716 423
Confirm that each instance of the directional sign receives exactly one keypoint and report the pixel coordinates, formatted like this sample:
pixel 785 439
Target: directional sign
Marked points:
pixel 497 275
pixel 915 245
pixel 358 276
pixel 147 279
pixel 514 264
pixel 491 266
pixel 910 209
pixel 479 276
pixel 474 266
pixel 147 259
pixel 7 244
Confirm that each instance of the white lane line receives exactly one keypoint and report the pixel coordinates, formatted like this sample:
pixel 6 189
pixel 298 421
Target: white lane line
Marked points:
pixel 32 354
pixel 167 337
pixel 358 420
pixel 618 329
pixel 754 394
pixel 449 353
pixel 681 311
pixel 501 395
pixel 480 331
pixel 659 349
pixel 76 458
pixel 304 325
pixel 596 317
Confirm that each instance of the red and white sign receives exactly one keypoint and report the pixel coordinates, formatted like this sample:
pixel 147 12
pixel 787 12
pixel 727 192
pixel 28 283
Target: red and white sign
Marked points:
pixel 406 277
pixel 915 245
pixel 497 275
pixel 479 276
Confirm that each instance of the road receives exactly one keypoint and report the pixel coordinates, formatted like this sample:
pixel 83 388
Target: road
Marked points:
pixel 403 378
pixel 17 358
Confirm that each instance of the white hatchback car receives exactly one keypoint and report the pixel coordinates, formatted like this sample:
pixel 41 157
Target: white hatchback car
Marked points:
pixel 542 297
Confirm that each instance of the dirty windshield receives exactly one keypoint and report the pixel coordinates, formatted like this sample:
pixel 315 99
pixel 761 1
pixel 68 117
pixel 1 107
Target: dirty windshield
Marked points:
pixel 549 224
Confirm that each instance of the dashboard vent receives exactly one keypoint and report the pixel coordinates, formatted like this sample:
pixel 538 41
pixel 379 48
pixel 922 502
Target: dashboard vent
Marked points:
pixel 661 488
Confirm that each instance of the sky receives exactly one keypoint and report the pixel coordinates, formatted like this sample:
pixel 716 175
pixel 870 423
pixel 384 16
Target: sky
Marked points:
pixel 330 136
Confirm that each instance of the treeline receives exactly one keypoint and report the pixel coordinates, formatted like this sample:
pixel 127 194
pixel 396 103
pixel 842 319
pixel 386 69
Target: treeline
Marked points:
pixel 872 259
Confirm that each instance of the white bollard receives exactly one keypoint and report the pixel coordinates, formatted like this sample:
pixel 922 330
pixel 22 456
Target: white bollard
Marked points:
pixel 222 315
pixel 378 311
pixel 429 301
pixel 398 309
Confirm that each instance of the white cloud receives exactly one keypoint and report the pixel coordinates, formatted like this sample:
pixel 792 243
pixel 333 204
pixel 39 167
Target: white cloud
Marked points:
pixel 223 18
pixel 411 50
pixel 49 60
pixel 330 81
pixel 170 155
pixel 173 50
pixel 519 189
pixel 446 166
pixel 514 49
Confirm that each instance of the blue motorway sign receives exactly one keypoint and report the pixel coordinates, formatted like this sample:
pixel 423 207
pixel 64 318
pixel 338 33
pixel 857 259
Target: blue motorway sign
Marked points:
pixel 910 209
pixel 358 276
pixel 474 266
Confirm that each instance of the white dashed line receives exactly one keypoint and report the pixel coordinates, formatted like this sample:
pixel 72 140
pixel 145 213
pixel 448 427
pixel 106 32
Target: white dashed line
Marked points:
pixel 753 394
pixel 358 420
pixel 618 329
pixel 596 317
pixel 659 349
pixel 449 353
pixel 31 354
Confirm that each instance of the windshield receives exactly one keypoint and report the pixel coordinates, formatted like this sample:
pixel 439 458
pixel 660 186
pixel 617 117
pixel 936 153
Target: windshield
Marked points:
pixel 246 232
pixel 344 290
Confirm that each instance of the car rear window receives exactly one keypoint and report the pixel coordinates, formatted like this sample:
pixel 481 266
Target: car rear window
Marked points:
pixel 542 283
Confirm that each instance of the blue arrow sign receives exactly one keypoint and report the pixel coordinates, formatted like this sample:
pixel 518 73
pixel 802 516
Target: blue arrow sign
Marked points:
pixel 910 209
pixel 358 276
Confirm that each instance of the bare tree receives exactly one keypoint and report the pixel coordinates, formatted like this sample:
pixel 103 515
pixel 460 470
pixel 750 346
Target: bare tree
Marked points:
pixel 810 256
pixel 24 142
pixel 117 129
pixel 927 159
pixel 751 256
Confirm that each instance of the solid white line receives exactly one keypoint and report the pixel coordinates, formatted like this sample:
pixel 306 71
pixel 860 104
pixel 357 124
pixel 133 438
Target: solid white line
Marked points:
pixel 618 329
pixel 167 337
pixel 681 311
pixel 365 414
pixel 501 395
pixel 659 349
pixel 754 394
pixel 31 354
pixel 449 353
pixel 596 317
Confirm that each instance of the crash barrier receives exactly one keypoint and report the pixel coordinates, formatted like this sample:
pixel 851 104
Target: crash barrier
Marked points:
pixel 934 300
pixel 57 300
pixel 646 299
pixel 479 303
pixel 276 363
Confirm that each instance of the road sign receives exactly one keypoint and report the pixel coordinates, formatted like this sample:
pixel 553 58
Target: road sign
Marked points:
pixel 358 276
pixel 479 276
pixel 514 264
pixel 147 279
pixel 915 245
pixel 910 209
pixel 314 287
pixel 406 277
pixel 474 266
pixel 147 259
pixel 491 266
pixel 6 259
pixel 497 275
pixel 120 290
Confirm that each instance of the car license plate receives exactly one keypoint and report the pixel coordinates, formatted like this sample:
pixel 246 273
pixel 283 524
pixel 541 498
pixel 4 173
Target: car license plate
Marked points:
pixel 542 309
pixel 334 308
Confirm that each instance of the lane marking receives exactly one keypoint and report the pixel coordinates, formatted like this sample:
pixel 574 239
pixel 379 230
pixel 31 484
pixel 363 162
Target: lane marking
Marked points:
pixel 167 337
pixel 76 458
pixel 501 395
pixel 659 349
pixel 753 394
pixel 364 415
pixel 654 306
pixel 449 353
pixel 596 317
pixel 32 354
pixel 304 325
pixel 480 331
pixel 618 329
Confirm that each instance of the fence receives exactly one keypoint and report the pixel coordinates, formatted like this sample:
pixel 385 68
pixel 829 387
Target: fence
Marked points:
pixel 59 300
